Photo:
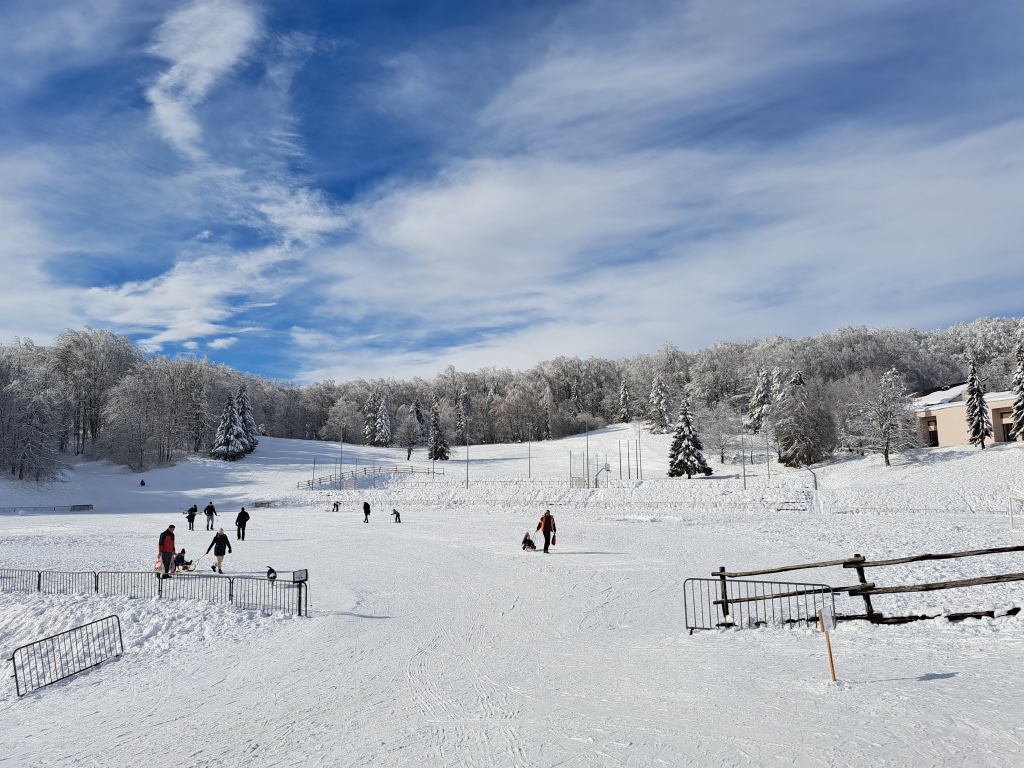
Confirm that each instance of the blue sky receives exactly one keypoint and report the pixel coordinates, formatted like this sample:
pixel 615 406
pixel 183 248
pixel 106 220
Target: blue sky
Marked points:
pixel 313 190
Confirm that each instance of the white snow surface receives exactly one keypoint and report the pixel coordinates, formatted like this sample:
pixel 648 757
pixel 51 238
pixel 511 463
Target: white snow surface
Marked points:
pixel 439 642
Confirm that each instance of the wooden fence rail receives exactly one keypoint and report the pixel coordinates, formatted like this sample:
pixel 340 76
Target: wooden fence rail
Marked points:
pixel 864 589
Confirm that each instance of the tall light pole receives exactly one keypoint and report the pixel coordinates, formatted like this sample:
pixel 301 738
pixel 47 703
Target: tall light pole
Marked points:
pixel 467 451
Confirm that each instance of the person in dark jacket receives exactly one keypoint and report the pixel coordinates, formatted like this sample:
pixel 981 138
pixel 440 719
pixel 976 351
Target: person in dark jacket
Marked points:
pixel 209 510
pixel 220 545
pixel 166 549
pixel 190 515
pixel 547 527
pixel 366 511
pixel 180 563
pixel 240 521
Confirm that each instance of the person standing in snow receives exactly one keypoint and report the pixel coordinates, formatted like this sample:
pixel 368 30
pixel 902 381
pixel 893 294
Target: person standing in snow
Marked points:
pixel 166 549
pixel 547 527
pixel 209 510
pixel 366 511
pixel 240 521
pixel 190 515
pixel 220 545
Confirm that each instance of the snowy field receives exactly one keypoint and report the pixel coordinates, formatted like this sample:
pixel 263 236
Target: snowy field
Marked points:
pixel 439 642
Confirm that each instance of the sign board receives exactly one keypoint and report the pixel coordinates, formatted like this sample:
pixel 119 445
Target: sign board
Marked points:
pixel 828 619
pixel 298 576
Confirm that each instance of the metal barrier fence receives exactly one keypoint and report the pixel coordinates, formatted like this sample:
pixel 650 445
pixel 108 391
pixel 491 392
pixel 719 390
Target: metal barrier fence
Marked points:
pixel 248 592
pixel 714 603
pixel 59 656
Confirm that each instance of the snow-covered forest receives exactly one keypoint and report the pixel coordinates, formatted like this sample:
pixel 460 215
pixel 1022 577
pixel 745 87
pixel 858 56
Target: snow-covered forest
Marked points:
pixel 97 394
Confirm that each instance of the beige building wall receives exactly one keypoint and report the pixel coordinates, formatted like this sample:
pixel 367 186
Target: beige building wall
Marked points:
pixel 946 424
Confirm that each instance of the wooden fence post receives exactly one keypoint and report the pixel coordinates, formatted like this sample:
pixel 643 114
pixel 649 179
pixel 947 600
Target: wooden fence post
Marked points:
pixel 859 558
pixel 724 592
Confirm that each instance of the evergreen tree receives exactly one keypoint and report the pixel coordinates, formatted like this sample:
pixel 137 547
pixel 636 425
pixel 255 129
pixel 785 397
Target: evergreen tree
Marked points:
pixel 625 406
pixel 462 418
pixel 370 410
pixel 658 406
pixel 979 421
pixel 805 425
pixel 1017 430
pixel 230 443
pixel 382 425
pixel 684 455
pixel 246 419
pixel 760 402
pixel 437 442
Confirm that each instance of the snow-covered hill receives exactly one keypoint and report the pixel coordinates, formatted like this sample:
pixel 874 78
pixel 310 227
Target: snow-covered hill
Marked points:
pixel 440 642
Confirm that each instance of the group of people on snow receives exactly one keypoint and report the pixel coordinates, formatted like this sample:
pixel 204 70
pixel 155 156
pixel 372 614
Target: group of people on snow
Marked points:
pixel 171 559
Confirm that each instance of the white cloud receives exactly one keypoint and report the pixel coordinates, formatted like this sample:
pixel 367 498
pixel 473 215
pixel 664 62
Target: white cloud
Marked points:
pixel 202 43
pixel 223 343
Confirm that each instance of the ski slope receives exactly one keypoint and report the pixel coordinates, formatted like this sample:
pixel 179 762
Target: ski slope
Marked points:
pixel 439 642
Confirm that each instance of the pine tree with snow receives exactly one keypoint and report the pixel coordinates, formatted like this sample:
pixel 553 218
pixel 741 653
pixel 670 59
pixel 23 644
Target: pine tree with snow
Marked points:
pixel 979 421
pixel 804 423
pixel 382 425
pixel 230 442
pixel 685 455
pixel 245 418
pixel 370 410
pixel 625 406
pixel 658 406
pixel 437 442
pixel 1017 429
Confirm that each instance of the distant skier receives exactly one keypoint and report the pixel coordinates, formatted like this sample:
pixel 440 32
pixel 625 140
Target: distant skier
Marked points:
pixel 166 549
pixel 220 545
pixel 142 483
pixel 337 506
pixel 210 511
pixel 547 527
pixel 396 515
pixel 190 515
pixel 240 521
pixel 366 511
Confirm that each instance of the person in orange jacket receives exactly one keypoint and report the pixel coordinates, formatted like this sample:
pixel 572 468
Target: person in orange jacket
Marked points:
pixel 547 527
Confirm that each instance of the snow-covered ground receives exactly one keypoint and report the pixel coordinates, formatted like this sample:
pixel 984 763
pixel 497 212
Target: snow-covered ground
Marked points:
pixel 439 642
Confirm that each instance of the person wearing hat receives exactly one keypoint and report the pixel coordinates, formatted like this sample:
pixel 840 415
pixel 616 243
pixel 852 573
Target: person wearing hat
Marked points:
pixel 547 527
pixel 220 545
pixel 166 549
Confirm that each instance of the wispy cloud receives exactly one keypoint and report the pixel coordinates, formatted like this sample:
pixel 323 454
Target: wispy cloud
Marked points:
pixel 201 43
pixel 589 179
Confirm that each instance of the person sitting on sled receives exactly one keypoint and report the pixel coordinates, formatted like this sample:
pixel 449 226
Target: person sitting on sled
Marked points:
pixel 528 542
pixel 180 563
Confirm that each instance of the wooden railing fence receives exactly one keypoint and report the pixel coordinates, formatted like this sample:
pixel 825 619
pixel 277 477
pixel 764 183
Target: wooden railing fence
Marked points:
pixel 865 589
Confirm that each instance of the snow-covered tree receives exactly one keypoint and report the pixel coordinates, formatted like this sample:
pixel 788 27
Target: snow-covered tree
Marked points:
pixel 760 401
pixel 437 442
pixel 230 443
pixel 1017 429
pixel 409 434
pixel 370 410
pixel 658 406
pixel 245 418
pixel 720 426
pixel 684 455
pixel 882 419
pixel 979 421
pixel 625 405
pixel 804 424
pixel 382 425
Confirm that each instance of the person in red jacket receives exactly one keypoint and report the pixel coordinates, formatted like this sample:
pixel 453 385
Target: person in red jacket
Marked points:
pixel 166 550
pixel 547 527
